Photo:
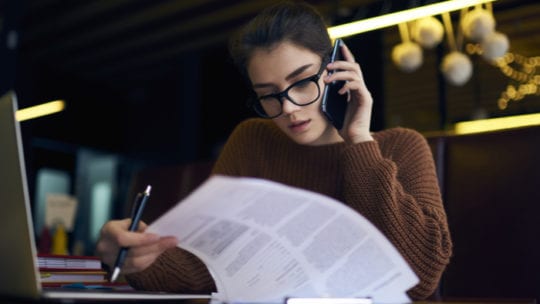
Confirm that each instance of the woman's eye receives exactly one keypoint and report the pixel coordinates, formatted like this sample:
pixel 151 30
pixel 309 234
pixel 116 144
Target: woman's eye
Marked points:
pixel 265 97
pixel 302 84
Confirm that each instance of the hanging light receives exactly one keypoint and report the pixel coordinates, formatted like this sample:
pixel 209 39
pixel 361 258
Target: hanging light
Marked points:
pixel 392 19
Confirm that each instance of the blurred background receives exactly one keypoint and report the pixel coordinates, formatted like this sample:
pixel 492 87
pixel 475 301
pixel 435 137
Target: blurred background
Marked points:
pixel 149 83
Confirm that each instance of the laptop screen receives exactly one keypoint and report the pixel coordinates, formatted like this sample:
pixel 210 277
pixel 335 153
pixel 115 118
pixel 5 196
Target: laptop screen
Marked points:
pixel 19 275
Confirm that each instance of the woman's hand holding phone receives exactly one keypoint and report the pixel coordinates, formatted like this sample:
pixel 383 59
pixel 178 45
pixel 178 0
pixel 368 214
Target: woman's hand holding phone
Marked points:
pixel 355 127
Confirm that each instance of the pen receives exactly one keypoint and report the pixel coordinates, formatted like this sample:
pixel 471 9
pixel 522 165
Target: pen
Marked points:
pixel 140 202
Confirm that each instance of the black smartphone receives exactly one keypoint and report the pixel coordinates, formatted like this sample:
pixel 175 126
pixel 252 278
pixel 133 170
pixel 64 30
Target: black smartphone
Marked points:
pixel 333 104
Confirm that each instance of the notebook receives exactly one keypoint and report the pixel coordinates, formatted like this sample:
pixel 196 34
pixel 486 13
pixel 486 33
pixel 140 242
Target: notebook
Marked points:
pixel 19 274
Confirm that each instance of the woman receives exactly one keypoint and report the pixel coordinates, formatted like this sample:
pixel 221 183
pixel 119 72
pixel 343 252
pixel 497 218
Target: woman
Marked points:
pixel 387 176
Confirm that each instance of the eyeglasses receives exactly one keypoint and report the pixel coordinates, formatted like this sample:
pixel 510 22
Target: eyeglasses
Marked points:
pixel 301 93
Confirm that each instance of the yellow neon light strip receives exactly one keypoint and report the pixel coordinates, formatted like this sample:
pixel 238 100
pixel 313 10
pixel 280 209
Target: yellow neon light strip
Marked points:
pixel 387 20
pixel 40 110
pixel 492 124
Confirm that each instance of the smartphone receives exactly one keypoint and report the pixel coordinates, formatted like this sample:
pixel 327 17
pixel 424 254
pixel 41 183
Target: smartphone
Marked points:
pixel 333 104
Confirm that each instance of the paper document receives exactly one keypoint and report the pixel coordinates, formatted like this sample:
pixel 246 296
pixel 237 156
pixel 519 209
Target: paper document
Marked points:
pixel 263 242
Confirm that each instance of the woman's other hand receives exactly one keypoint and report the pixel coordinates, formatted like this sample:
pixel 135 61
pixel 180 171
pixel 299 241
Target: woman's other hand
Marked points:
pixel 144 248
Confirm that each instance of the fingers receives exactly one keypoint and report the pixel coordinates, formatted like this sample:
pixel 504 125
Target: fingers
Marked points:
pixel 139 258
pixel 347 54
pixel 144 247
pixel 350 73
pixel 159 246
pixel 129 239
pixel 347 65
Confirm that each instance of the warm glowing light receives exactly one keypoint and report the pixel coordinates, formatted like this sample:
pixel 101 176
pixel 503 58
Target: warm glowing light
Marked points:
pixel 40 110
pixel 492 124
pixel 387 20
pixel 523 70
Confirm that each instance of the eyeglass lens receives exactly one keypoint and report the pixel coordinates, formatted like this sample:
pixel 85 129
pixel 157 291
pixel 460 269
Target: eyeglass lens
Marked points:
pixel 301 93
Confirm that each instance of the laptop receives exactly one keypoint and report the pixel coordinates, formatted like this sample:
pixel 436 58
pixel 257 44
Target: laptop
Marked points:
pixel 19 273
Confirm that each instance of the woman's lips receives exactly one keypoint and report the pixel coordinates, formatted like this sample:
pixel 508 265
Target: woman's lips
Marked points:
pixel 299 126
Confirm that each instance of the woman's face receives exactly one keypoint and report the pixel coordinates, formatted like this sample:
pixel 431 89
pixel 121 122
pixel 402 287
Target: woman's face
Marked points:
pixel 272 71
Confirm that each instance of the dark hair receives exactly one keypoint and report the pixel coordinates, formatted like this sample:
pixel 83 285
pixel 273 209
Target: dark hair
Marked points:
pixel 296 22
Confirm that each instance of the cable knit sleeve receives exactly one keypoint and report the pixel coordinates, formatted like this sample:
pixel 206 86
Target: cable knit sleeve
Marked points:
pixel 175 270
pixel 399 193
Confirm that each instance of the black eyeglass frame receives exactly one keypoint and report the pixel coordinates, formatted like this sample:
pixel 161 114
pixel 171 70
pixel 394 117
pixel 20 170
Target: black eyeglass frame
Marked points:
pixel 256 104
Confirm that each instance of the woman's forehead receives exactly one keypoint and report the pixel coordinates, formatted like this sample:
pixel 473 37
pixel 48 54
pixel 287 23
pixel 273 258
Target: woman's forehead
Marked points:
pixel 280 60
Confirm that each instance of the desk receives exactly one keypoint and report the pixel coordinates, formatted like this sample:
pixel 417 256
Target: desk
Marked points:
pixel 480 301
pixel 11 300
pixel 17 300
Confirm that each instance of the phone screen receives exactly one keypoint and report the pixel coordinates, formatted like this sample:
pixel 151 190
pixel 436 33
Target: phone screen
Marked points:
pixel 333 104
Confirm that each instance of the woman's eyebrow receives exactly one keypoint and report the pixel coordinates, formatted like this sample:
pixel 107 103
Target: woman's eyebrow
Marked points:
pixel 298 71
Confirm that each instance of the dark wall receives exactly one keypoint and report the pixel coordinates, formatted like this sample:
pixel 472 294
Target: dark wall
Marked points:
pixel 183 115
pixel 490 183
pixel 10 12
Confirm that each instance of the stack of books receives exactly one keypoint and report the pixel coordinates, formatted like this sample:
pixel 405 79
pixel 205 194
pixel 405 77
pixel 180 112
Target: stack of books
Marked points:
pixel 59 270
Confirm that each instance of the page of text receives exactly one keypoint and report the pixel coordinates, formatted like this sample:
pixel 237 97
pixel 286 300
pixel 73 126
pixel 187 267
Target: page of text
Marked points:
pixel 264 241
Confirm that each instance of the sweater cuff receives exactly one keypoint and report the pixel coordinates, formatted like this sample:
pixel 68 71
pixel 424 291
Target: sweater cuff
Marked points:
pixel 140 281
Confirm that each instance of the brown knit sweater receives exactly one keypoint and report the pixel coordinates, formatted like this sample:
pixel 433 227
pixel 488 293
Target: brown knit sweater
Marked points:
pixel 391 181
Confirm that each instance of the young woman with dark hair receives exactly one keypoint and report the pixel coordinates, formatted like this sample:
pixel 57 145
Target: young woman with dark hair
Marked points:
pixel 387 176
